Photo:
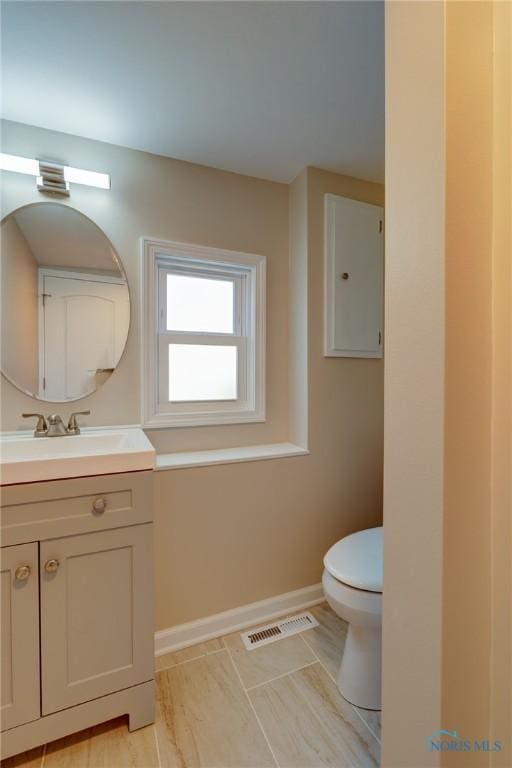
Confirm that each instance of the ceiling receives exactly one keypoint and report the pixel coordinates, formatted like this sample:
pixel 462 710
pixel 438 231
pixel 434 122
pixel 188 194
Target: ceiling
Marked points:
pixel 59 236
pixel 260 88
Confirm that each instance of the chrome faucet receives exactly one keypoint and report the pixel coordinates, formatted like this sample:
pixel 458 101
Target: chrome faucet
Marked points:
pixel 54 427
pixel 41 429
pixel 73 428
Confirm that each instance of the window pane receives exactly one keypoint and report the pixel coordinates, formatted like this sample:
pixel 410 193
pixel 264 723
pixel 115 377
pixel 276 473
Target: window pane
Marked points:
pixel 198 304
pixel 202 372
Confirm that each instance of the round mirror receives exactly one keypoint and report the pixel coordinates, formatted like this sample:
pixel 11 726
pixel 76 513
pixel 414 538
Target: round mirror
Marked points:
pixel 65 303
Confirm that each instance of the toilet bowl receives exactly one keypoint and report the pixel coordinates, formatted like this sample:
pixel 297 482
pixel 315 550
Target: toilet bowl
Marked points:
pixel 352 582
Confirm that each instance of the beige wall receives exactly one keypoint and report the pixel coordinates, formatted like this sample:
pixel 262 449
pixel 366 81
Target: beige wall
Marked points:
pixel 478 460
pixel 501 436
pixel 242 532
pixel 19 281
pixel 352 387
pixel 467 470
pixel 164 198
pixel 447 497
pixel 298 310
pixel 232 534
pixel 414 382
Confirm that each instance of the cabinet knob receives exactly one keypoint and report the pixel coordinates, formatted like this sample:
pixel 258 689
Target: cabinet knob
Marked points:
pixel 22 573
pixel 345 275
pixel 51 566
pixel 99 505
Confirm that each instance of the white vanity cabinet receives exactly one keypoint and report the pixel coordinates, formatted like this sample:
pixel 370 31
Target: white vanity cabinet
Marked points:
pixel 354 278
pixel 77 606
pixel 20 634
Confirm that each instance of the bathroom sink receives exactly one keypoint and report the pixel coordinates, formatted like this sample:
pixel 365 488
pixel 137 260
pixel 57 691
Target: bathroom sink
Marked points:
pixel 27 459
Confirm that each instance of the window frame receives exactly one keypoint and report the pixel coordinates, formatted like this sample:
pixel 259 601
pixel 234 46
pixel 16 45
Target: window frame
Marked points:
pixel 248 273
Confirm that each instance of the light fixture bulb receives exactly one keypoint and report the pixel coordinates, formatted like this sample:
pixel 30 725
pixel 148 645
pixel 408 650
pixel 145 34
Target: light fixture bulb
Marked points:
pixel 19 164
pixel 71 175
pixel 89 178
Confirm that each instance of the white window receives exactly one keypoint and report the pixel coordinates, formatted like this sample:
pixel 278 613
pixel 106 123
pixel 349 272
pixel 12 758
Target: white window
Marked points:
pixel 203 335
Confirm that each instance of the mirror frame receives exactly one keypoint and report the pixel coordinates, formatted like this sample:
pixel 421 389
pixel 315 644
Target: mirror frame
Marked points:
pixel 122 270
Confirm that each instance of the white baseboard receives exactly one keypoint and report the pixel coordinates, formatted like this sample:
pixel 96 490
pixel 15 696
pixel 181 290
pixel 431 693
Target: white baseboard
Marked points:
pixel 183 635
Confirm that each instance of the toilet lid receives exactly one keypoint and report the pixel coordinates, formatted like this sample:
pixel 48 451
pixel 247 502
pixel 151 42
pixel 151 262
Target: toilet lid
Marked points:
pixel 356 560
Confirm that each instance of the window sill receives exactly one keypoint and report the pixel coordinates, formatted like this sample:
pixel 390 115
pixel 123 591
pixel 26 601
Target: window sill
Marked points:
pixel 227 456
pixel 204 419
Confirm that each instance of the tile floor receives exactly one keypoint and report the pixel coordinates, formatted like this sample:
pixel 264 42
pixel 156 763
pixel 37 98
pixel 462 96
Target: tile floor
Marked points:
pixel 221 706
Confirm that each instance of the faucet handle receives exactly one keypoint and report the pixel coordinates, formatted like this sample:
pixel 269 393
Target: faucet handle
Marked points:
pixel 41 427
pixel 73 428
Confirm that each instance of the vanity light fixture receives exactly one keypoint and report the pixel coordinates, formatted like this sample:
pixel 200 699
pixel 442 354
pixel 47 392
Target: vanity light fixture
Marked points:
pixel 52 177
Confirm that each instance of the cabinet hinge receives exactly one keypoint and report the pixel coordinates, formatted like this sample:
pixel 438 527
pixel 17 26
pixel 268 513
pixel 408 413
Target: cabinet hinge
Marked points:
pixel 381 226
pixel 380 338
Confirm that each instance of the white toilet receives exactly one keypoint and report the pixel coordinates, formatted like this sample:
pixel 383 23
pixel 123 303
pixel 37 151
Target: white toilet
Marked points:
pixel 352 582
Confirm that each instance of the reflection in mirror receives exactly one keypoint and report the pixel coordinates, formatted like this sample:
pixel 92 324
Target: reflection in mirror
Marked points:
pixel 65 303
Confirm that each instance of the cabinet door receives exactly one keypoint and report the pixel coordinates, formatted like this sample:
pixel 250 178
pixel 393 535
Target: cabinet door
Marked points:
pixel 20 635
pixel 96 615
pixel 354 278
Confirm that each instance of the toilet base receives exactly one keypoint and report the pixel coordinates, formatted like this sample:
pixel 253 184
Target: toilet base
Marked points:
pixel 359 676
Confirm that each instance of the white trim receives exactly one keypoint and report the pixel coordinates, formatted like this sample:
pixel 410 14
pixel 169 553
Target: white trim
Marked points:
pixel 40 331
pixel 184 635
pixel 227 455
pixel 254 408
pixel 72 274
